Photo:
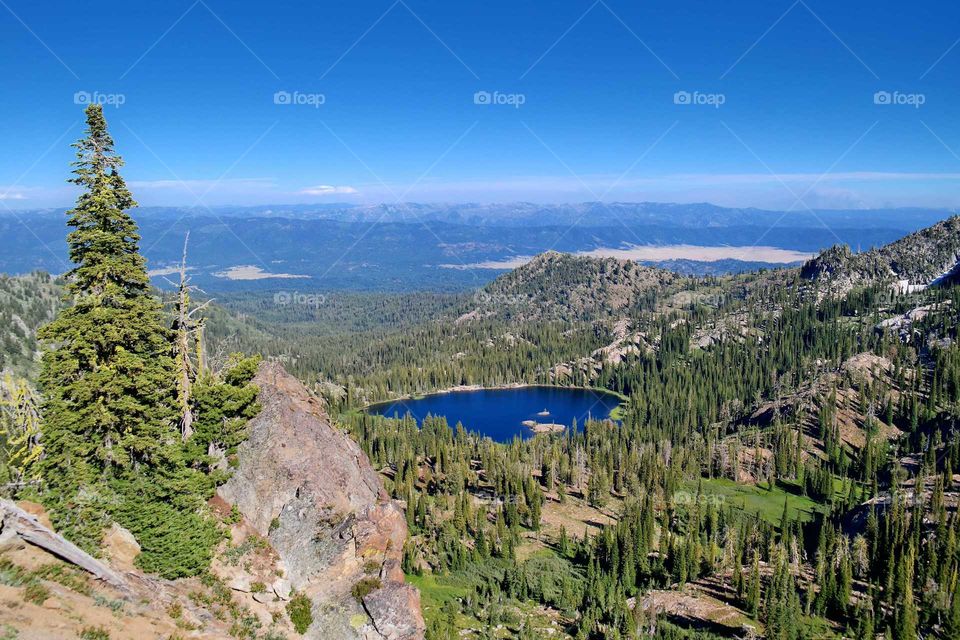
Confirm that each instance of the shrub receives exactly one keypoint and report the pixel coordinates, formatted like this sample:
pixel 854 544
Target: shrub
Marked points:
pixel 114 605
pixel 36 592
pixel 70 578
pixel 245 627
pixel 181 545
pixel 94 633
pixel 253 544
pixel 235 516
pixel 364 587
pixel 175 610
pixel 11 574
pixel 257 587
pixel 299 611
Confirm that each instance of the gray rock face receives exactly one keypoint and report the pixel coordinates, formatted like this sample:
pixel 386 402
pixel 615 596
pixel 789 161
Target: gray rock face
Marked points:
pixel 390 609
pixel 311 490
pixel 913 262
pixel 294 457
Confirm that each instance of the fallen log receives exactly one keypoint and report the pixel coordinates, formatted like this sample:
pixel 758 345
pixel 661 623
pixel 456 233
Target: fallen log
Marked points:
pixel 16 522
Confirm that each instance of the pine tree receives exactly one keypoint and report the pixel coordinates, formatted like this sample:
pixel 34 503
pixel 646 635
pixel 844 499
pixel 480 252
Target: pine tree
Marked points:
pixel 905 627
pixel 952 625
pixel 753 590
pixel 107 367
pixel 110 433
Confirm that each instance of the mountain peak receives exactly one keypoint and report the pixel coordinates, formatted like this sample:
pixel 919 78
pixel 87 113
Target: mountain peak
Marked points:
pixel 557 285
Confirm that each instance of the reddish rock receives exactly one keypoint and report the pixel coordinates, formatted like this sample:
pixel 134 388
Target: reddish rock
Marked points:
pixel 391 571
pixel 311 490
pixel 382 530
pixel 294 452
pixel 120 548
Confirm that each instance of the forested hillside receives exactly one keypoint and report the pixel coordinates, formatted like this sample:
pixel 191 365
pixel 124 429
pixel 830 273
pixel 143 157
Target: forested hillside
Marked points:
pixel 791 477
pixel 784 468
pixel 563 287
pixel 26 303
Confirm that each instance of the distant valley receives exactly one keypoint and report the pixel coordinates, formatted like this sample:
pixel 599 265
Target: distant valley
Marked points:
pixel 458 247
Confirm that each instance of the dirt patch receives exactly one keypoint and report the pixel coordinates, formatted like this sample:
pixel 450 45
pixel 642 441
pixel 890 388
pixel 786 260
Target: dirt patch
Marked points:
pixel 694 608
pixel 575 515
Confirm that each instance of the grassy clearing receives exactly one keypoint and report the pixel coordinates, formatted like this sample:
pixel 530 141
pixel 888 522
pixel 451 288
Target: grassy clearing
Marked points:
pixel 760 500
pixel 436 591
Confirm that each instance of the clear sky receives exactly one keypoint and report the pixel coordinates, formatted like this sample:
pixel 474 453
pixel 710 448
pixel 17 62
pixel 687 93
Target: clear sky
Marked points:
pixel 754 103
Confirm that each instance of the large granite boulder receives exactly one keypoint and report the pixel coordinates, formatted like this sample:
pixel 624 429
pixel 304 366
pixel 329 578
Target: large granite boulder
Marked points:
pixel 311 490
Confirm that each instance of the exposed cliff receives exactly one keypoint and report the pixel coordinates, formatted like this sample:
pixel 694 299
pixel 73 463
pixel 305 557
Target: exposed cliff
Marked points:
pixel 311 490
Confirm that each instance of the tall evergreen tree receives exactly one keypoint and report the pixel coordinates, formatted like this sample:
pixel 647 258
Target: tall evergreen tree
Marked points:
pixel 110 409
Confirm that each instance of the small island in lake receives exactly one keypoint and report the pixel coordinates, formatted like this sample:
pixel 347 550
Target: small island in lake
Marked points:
pixel 544 427
pixel 544 413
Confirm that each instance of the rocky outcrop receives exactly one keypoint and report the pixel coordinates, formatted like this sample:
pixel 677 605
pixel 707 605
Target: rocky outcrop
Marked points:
pixel 120 548
pixel 390 609
pixel 903 325
pixel 912 263
pixel 312 492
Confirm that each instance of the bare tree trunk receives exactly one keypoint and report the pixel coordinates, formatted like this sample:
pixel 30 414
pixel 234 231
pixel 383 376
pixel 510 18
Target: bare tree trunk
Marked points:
pixel 183 347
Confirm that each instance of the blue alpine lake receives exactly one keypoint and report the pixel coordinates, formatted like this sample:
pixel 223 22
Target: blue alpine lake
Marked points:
pixel 501 414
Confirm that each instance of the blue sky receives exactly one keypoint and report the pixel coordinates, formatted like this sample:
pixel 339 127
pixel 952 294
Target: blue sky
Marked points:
pixel 398 81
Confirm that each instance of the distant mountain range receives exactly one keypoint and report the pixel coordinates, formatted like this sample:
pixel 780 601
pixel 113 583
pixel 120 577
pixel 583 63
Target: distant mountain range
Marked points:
pixel 447 247
pixel 586 214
